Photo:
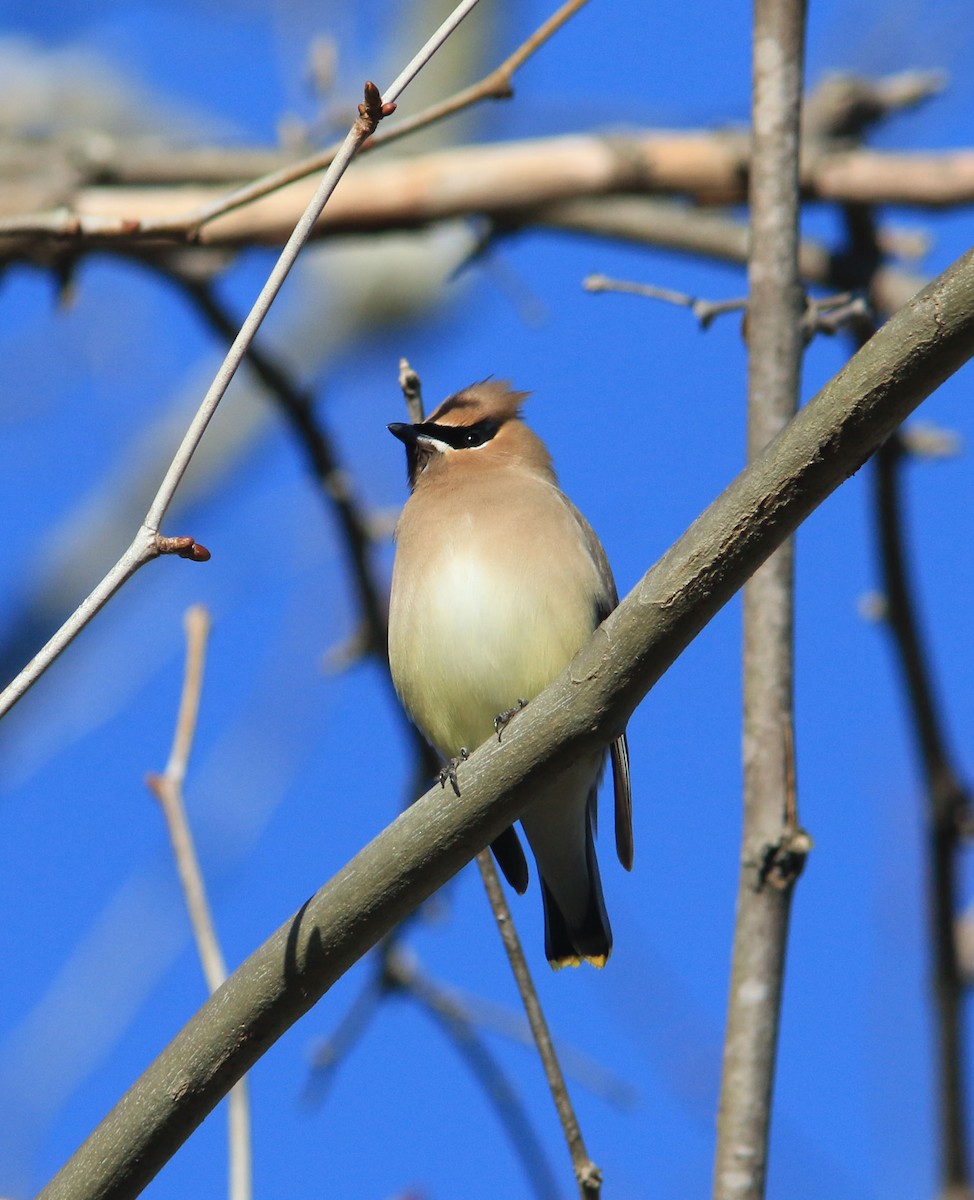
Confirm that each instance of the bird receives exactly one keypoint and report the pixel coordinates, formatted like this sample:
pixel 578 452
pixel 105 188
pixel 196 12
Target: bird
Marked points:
pixel 498 581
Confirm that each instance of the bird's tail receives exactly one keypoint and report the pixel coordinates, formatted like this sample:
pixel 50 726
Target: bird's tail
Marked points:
pixel 560 827
pixel 584 934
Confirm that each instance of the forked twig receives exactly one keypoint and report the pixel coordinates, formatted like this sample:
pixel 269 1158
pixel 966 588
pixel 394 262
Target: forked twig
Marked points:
pixel 168 790
pixel 705 311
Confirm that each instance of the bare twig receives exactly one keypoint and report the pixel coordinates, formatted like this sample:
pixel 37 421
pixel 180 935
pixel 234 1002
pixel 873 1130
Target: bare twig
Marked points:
pixel 948 803
pixel 923 439
pixel 830 314
pixel 831 437
pixel 845 106
pixel 827 315
pixel 412 391
pixel 587 1174
pixel 396 972
pixel 674 226
pixel 705 311
pixel 775 343
pixel 145 546
pixel 297 406
pixel 168 790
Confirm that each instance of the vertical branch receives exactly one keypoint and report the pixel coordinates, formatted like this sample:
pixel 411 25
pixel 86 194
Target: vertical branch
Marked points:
pixel 772 846
pixel 168 790
pixel 947 810
pixel 946 797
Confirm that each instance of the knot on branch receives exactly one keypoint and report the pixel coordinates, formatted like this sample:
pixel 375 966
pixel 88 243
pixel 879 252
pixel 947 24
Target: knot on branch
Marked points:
pixel 589 1178
pixel 781 862
pixel 183 547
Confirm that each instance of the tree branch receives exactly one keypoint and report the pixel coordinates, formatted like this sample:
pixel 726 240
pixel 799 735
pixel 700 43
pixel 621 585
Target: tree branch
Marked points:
pixel 495 180
pixel 581 711
pixel 769 863
pixel 948 809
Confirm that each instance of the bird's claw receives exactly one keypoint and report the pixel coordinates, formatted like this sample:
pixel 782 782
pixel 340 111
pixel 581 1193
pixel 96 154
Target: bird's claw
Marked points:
pixel 502 720
pixel 450 770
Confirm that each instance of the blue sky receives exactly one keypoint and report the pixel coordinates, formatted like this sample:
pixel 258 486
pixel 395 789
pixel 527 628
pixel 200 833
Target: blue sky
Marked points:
pixel 644 416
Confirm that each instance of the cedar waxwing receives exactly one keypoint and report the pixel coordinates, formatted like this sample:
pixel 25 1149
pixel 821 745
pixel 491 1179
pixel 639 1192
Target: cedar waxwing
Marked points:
pixel 498 582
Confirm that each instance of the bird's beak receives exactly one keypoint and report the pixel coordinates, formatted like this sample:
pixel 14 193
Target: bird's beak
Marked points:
pixel 407 434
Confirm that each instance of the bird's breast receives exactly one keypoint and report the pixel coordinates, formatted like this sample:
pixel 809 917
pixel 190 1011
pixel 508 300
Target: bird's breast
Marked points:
pixel 481 618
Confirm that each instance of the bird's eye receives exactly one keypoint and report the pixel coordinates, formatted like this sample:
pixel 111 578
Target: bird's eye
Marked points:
pixel 477 435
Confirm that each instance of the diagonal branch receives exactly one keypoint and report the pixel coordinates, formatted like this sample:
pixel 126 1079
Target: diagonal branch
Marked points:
pixel 587 1174
pixel 589 703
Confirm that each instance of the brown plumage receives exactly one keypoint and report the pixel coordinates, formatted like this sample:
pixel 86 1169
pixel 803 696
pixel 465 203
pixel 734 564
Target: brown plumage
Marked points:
pixel 498 581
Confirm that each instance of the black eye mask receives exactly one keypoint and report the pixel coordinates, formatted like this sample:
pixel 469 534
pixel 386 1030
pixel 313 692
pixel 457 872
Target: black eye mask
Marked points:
pixel 460 437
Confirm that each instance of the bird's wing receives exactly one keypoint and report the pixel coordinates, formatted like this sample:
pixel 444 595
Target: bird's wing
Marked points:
pixel 619 750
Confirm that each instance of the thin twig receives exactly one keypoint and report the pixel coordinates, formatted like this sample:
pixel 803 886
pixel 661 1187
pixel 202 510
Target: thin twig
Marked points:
pixel 775 343
pixel 587 1174
pixel 146 543
pixel 668 224
pixel 168 790
pixel 830 314
pixel 948 802
pixel 705 311
pixel 412 391
pixel 582 1068
pixel 396 972
pixel 826 315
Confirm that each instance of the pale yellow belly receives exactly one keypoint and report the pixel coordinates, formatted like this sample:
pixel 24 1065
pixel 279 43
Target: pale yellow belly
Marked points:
pixel 467 641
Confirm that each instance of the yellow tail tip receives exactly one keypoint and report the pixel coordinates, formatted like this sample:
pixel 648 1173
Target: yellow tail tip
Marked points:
pixel 576 960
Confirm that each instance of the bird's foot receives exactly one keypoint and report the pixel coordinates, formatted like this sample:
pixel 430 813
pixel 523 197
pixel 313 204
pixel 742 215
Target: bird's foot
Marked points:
pixel 502 720
pixel 450 770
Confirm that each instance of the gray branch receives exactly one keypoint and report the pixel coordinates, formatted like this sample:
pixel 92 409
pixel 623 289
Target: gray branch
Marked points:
pixel 770 860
